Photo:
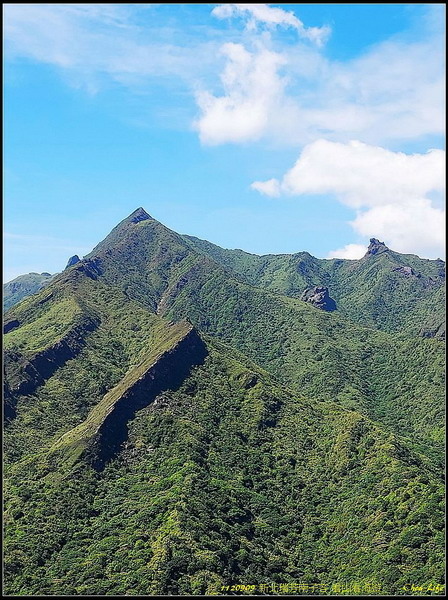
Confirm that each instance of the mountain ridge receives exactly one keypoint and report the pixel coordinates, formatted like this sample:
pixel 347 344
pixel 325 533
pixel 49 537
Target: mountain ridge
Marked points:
pixel 209 430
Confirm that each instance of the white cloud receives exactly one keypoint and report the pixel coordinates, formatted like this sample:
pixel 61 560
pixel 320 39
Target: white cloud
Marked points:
pixel 289 93
pixel 392 91
pixel 91 43
pixel 362 175
pixel 268 15
pixel 269 188
pixel 350 251
pixel 252 89
pixel 414 227
pixel 392 192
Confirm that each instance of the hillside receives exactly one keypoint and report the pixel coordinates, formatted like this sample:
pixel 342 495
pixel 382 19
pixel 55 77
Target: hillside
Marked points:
pixel 386 290
pixel 175 425
pixel 25 285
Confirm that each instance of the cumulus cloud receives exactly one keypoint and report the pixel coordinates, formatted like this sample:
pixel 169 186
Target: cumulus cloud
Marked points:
pixel 393 193
pixel 362 175
pixel 350 251
pixel 271 16
pixel 395 90
pixel 415 226
pixel 252 88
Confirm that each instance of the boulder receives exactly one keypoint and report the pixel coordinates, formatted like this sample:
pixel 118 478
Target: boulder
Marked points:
pixel 319 297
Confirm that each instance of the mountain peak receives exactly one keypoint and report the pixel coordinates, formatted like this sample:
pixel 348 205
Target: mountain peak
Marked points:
pixel 139 215
pixel 72 261
pixel 376 247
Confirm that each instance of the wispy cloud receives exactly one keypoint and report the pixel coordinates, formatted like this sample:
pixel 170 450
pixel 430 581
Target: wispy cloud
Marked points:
pixel 96 43
pixel 288 92
pixel 256 14
pixel 393 91
pixel 392 192
pixel 31 243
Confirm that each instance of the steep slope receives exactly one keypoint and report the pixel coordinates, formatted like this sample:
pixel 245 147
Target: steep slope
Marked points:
pixel 231 479
pixel 143 456
pixel 163 367
pixel 386 290
pixel 321 354
pixel 21 287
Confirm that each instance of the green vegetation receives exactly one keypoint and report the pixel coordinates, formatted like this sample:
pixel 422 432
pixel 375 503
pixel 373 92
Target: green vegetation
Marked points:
pixel 305 449
pixel 21 287
pixel 372 291
pixel 231 479
pixel 46 329
pixel 166 337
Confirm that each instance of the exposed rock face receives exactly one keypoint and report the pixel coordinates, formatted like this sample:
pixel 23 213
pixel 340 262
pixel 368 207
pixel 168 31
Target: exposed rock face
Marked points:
pixel 90 267
pixel 406 271
pixel 25 374
pixel 9 404
pixel 10 325
pixel 167 373
pixel 139 215
pixel 376 247
pixel 319 297
pixel 72 261
pixel 438 332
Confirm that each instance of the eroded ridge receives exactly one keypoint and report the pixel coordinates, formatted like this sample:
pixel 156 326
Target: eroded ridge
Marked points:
pixel 99 437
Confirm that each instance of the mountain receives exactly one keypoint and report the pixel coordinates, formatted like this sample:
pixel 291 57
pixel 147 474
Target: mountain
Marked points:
pixel 386 290
pixel 21 287
pixel 177 422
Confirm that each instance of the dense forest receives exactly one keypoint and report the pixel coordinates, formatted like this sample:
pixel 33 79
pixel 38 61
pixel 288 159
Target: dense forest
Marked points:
pixel 185 419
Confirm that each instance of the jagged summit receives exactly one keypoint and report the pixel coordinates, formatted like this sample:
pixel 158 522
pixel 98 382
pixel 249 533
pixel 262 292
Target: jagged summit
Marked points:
pixel 122 229
pixel 376 247
pixel 138 215
pixel 72 261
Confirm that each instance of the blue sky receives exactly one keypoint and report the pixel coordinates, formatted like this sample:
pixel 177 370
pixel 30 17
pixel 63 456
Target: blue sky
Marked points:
pixel 271 128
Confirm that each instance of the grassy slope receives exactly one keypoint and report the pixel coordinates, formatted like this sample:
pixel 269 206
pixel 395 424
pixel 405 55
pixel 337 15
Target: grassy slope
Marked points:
pixel 367 291
pixel 245 450
pixel 231 479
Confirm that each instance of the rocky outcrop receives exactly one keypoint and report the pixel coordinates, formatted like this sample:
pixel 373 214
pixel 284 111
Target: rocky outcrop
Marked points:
pixel 10 325
pixel 139 215
pixel 319 297
pixel 436 331
pixel 406 271
pixel 91 267
pixel 72 261
pixel 376 247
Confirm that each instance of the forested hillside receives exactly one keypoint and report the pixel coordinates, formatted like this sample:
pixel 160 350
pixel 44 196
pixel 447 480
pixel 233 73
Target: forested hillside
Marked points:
pixel 181 418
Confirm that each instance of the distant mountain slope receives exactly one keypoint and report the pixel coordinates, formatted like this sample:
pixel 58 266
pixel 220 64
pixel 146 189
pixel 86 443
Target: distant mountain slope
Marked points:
pixel 386 290
pixel 148 452
pixel 21 287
